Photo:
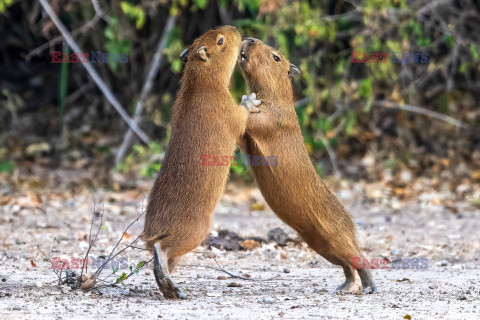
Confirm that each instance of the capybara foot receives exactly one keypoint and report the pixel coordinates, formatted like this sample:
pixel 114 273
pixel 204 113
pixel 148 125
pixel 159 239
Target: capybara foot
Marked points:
pixel 170 289
pixel 347 286
pixel 368 284
pixel 165 283
pixel 250 103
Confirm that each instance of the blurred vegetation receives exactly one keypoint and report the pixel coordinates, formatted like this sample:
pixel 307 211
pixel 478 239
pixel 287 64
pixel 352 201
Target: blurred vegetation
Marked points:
pixel 338 101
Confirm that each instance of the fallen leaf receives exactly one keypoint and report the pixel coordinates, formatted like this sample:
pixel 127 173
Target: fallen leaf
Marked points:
pixel 33 264
pixel 257 207
pixel 405 280
pixel 250 244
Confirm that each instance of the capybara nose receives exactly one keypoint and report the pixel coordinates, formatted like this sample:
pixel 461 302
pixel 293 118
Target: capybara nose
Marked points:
pixel 250 39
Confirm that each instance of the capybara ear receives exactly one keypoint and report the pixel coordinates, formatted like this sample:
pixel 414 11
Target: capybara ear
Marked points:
pixel 202 53
pixel 184 55
pixel 293 71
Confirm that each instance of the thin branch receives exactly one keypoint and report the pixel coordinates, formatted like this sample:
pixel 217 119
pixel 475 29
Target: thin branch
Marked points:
pixel 93 73
pixel 331 154
pixel 90 242
pixel 302 102
pixel 154 66
pixel 453 69
pixel 220 268
pixel 56 40
pixel 99 270
pixel 415 109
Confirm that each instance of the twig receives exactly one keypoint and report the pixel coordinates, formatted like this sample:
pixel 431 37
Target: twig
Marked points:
pixel 60 276
pixel 54 41
pixel 220 268
pixel 415 109
pixel 453 69
pixel 90 242
pixel 93 73
pixel 155 65
pixel 99 270
pixel 132 272
pixel 46 256
pixel 331 154
pixel 81 90
pixel 301 102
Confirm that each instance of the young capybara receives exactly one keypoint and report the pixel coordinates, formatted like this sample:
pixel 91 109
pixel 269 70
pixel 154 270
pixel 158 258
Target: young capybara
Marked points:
pixel 293 188
pixel 205 120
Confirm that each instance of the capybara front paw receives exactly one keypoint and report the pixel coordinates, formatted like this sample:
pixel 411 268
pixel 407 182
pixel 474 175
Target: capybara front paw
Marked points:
pixel 250 103
pixel 370 289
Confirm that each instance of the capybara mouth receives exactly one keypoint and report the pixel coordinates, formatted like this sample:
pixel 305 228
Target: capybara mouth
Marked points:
pixel 244 53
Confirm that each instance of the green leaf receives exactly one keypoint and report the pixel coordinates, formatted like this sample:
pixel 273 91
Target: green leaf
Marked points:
pixel 141 264
pixel 365 88
pixel 7 166
pixel 474 51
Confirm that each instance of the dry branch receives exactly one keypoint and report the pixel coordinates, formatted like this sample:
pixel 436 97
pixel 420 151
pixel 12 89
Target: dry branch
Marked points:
pixel 93 73
pixel 155 65
pixel 415 109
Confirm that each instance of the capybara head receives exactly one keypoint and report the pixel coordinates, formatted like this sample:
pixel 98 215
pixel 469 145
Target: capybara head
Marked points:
pixel 265 67
pixel 217 48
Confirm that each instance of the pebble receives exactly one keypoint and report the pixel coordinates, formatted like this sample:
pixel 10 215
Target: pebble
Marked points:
pixel 286 270
pixel 234 285
pixel 267 300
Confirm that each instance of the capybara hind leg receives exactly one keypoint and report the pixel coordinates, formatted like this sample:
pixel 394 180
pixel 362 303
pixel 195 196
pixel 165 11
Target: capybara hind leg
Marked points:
pixel 349 284
pixel 172 264
pixel 368 285
pixel 167 286
pixel 323 247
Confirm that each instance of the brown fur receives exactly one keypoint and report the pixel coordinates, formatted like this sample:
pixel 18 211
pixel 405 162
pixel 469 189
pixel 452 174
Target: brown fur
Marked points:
pixel 293 189
pixel 206 120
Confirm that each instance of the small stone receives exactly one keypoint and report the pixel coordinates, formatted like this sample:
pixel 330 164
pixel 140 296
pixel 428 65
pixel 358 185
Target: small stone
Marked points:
pixel 278 235
pixel 468 291
pixel 39 284
pixel 234 285
pixel 433 287
pixel 267 300
pixel 286 270
pixel 221 278
pixel 4 279
pixel 462 298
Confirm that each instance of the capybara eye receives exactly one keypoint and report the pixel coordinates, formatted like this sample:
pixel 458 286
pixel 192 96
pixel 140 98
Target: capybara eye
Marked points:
pixel 220 42
pixel 276 58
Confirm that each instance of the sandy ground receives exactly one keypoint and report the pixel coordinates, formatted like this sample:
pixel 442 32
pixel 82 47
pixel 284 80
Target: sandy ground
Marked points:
pixel 430 225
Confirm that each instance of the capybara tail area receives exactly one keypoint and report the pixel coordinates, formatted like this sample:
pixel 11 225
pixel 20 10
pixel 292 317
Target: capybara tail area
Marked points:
pixel 151 240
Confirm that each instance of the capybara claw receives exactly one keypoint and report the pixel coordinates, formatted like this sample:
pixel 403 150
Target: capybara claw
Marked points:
pixel 250 103
pixel 370 289
pixel 170 289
